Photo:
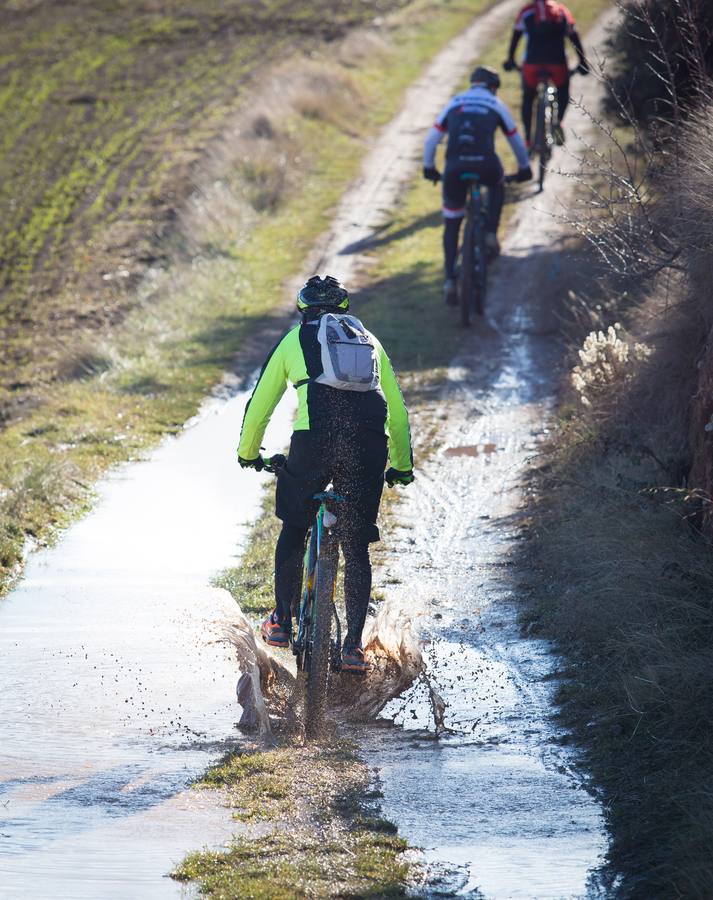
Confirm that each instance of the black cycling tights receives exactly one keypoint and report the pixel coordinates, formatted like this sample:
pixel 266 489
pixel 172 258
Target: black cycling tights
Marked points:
pixel 289 556
pixel 528 102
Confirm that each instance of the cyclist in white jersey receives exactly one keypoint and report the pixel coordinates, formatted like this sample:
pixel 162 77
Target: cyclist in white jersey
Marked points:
pixel 470 120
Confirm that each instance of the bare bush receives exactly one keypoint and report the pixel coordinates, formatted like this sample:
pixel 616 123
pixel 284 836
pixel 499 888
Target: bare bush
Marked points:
pixel 605 361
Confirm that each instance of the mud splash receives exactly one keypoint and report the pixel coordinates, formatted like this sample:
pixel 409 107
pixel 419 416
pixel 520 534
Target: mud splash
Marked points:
pixel 270 692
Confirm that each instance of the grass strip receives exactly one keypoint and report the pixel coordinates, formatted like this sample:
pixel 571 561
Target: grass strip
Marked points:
pixel 325 837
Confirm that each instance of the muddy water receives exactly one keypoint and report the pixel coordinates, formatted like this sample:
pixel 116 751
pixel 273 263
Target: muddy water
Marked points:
pixel 496 803
pixel 116 691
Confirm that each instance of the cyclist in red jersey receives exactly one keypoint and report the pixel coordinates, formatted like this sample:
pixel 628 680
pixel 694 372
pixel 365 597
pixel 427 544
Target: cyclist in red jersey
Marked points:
pixel 546 25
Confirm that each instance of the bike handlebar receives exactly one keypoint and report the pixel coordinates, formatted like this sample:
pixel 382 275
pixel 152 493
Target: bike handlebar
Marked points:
pixel 273 464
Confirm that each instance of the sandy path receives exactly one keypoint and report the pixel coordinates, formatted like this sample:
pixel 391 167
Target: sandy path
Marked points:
pixel 389 165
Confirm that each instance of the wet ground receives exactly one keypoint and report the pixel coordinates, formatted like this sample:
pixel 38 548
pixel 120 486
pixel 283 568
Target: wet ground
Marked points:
pixel 117 690
pixel 496 803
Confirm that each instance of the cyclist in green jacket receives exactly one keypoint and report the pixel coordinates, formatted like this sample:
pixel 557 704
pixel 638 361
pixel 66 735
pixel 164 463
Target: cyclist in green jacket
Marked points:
pixel 351 420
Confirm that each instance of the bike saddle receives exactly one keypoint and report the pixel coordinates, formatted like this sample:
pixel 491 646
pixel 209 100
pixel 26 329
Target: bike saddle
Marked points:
pixel 328 495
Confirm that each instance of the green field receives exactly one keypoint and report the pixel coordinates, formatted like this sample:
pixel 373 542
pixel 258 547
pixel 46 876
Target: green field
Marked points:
pixel 96 371
pixel 106 108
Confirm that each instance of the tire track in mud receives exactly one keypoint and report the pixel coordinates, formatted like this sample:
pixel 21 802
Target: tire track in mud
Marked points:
pixel 496 803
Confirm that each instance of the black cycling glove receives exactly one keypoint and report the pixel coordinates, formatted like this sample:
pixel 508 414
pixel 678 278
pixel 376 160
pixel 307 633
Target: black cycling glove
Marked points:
pixel 524 174
pixel 509 65
pixel 431 173
pixel 396 476
pixel 258 463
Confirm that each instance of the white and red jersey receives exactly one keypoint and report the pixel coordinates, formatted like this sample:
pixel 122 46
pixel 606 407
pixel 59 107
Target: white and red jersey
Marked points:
pixel 546 25
pixel 470 120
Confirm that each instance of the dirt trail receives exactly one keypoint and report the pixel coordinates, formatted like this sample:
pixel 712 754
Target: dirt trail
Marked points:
pixel 116 692
pixel 497 803
pixel 389 165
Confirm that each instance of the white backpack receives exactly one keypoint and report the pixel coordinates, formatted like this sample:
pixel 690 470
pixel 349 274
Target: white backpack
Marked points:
pixel 348 354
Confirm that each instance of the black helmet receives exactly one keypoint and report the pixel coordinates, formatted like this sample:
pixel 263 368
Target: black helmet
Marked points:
pixel 322 293
pixel 488 77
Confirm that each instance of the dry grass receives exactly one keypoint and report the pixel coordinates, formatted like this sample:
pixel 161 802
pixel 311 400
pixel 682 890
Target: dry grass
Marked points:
pixel 620 554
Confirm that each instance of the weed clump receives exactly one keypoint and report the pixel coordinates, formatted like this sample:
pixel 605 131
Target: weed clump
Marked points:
pixel 326 840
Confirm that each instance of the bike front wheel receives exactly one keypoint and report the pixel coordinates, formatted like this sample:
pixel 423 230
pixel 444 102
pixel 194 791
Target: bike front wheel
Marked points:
pixel 317 663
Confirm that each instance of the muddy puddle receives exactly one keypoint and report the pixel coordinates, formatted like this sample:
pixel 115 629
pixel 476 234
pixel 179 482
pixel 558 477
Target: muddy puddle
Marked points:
pixel 495 803
pixel 117 690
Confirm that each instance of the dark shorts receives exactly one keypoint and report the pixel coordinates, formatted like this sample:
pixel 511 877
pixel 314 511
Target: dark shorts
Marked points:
pixel 490 171
pixel 353 462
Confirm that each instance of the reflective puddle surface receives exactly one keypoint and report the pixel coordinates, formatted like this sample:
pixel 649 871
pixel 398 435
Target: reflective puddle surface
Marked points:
pixel 117 688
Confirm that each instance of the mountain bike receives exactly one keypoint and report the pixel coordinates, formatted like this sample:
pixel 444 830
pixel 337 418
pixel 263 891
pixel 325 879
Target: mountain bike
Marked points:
pixel 473 253
pixel 547 120
pixel 317 653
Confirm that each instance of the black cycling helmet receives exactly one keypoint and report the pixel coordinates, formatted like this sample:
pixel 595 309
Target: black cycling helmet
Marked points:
pixel 488 77
pixel 322 293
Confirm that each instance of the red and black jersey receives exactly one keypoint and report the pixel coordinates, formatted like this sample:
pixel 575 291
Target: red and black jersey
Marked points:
pixel 546 25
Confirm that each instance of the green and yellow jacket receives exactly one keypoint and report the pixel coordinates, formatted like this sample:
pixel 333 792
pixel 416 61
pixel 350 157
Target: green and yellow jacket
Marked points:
pixel 296 359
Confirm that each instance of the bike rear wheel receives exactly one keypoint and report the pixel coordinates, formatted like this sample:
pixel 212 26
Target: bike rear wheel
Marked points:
pixel 318 656
pixel 467 273
pixel 541 136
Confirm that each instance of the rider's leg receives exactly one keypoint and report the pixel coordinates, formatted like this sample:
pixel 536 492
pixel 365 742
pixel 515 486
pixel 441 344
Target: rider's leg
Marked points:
pixel 357 587
pixel 359 477
pixel 451 231
pixel 454 194
pixel 298 481
pixel 530 80
pixel 563 98
pixel 289 554
pixel 493 176
pixel 528 101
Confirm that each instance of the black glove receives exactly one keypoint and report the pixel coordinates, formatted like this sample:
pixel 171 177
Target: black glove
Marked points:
pixel 275 462
pixel 509 65
pixel 258 463
pixel 431 173
pixel 524 174
pixel 395 476
pixel 583 67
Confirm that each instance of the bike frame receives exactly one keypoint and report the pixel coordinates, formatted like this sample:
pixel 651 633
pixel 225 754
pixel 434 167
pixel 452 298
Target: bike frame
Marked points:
pixel 546 119
pixel 301 645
